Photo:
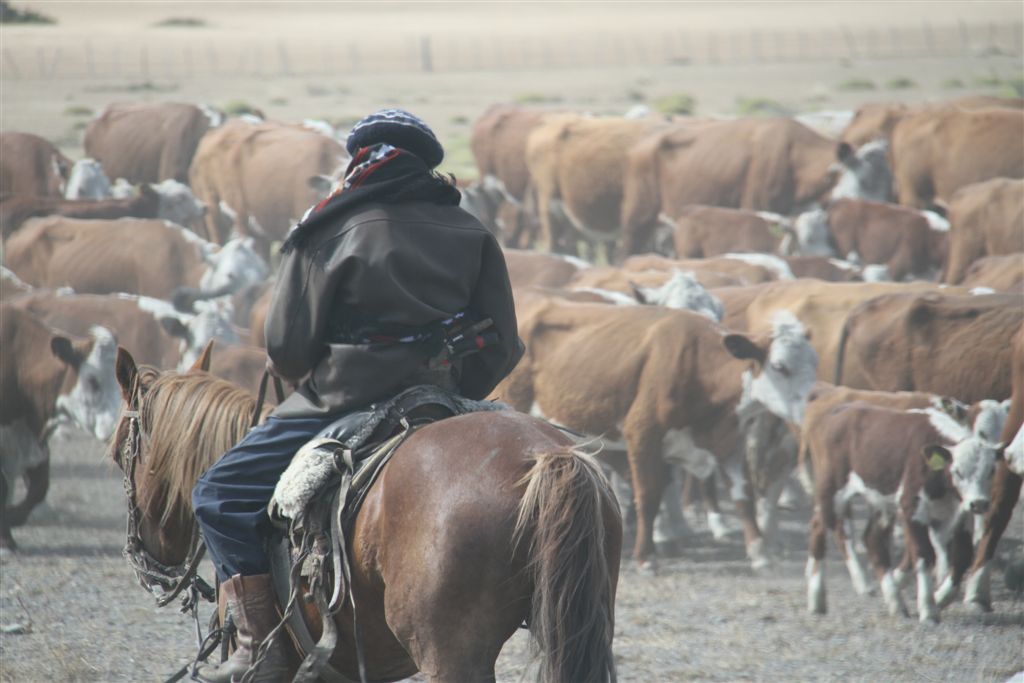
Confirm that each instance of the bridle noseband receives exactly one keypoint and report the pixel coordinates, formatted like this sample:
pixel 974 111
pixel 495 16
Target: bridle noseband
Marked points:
pixel 164 582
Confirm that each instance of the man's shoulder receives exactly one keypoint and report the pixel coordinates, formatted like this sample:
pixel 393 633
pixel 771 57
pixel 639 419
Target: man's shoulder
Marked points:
pixel 424 214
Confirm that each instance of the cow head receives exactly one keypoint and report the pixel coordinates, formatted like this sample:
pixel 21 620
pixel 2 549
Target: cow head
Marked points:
pixel 212 320
pixel 682 292
pixel 812 233
pixel 234 266
pixel 864 174
pixel 785 367
pixel 177 203
pixel 89 396
pixel 972 458
pixel 87 181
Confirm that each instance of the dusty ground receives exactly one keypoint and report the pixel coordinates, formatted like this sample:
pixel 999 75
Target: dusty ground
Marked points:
pixel 705 617
pixel 74 611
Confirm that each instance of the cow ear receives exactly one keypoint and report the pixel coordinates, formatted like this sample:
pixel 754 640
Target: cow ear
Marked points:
pixel 203 362
pixel 845 153
pixel 174 327
pixel 64 349
pixel 937 457
pixel 125 371
pixel 741 347
pixel 638 293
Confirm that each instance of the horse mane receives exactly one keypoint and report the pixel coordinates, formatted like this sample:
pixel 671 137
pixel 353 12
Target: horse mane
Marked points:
pixel 191 419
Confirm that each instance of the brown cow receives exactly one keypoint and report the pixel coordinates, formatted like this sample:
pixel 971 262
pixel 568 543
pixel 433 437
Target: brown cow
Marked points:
pixel 760 164
pixel 627 281
pixel 148 257
pixel 824 268
pixel 46 376
pixel 498 142
pixel 668 383
pixel 950 344
pixel 986 219
pixel 16 210
pixel 146 142
pixel 876 120
pixel 729 271
pixel 998 273
pixel 937 151
pixel 878 233
pixel 703 231
pixel 31 166
pixel 822 307
pixel 268 174
pixel 534 268
pixel 578 167
pixel 136 328
pixel 1006 485
pixel 920 464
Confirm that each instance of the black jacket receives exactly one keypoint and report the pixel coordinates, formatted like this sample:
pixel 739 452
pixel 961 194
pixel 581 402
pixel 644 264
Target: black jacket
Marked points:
pixel 394 265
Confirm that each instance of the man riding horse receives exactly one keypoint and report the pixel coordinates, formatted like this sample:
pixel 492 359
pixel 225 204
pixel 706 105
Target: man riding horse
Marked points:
pixel 373 280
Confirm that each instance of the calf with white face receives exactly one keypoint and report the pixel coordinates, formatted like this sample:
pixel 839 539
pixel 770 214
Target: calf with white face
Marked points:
pixel 864 174
pixel 921 465
pixel 663 386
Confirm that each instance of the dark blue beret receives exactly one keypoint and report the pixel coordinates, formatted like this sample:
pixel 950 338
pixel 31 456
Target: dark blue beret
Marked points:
pixel 397 128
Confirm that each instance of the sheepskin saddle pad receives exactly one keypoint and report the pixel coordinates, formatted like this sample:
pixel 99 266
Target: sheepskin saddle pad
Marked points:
pixel 348 447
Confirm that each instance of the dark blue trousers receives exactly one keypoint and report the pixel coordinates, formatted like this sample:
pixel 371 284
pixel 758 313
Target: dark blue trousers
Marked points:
pixel 230 500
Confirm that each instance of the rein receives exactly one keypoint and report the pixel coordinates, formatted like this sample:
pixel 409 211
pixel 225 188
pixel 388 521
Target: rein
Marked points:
pixel 164 582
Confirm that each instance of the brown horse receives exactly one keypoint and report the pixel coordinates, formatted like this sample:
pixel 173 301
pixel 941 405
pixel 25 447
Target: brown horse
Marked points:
pixel 477 524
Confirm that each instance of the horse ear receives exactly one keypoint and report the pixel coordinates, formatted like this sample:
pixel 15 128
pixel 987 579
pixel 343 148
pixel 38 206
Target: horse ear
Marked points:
pixel 203 362
pixel 125 370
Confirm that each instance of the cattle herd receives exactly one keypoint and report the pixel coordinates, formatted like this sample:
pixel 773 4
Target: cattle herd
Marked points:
pixel 748 305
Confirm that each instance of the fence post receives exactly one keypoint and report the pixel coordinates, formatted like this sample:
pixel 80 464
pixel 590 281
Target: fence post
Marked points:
pixel 851 45
pixel 426 56
pixel 12 66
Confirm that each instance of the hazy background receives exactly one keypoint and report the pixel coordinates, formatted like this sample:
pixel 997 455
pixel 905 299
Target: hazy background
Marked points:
pixel 447 61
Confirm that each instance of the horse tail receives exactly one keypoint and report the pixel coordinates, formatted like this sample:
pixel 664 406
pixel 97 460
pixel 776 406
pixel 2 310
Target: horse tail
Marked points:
pixel 563 515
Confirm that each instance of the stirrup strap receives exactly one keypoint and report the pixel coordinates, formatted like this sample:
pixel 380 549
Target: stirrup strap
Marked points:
pixel 262 394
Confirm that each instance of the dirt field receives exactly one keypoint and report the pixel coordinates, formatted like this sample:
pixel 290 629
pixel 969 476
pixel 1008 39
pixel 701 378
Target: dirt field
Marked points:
pixel 69 606
pixel 77 614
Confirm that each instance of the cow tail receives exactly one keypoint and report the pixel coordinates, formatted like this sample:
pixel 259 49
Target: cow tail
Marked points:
pixel 841 353
pixel 562 516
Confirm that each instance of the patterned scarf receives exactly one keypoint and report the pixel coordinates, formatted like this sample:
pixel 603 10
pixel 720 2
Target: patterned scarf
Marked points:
pixel 380 173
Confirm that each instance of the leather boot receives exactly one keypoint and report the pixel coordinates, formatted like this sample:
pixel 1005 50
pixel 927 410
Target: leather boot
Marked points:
pixel 253 606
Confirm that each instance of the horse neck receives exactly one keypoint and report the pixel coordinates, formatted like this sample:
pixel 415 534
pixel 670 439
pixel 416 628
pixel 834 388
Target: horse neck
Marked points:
pixel 192 423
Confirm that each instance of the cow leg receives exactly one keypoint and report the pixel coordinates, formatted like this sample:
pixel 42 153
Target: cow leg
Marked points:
pixel 878 540
pixel 960 554
pixel 816 601
pixel 923 555
pixel 743 497
pixel 37 483
pixel 716 522
pixel 649 473
pixel 7 543
pixel 768 510
pixel 670 526
pixel 1005 492
pixel 843 530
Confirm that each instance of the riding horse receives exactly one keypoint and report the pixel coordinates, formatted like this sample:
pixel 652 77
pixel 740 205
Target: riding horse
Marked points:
pixel 478 524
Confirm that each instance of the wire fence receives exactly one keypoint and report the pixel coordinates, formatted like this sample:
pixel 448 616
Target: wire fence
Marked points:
pixel 195 57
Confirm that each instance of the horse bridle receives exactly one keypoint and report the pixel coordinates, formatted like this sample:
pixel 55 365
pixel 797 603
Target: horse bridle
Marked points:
pixel 164 582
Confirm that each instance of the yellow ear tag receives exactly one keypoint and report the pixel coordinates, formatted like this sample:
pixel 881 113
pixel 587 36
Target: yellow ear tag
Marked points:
pixel 937 462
